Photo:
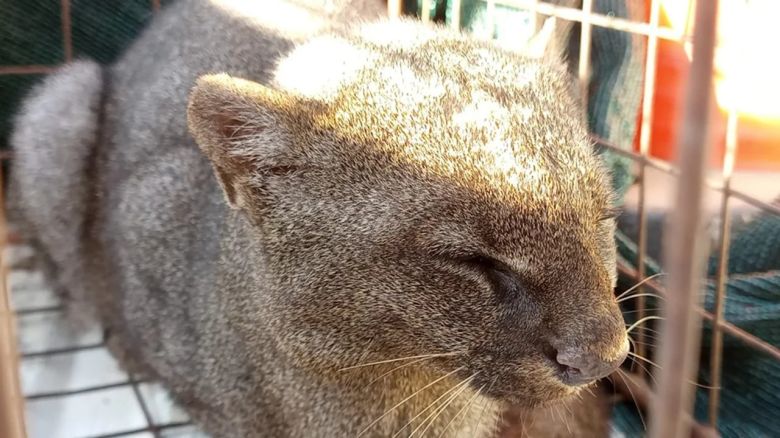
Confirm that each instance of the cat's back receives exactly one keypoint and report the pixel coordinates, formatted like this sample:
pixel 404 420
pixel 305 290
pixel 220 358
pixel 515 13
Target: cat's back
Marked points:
pixel 148 86
pixel 152 177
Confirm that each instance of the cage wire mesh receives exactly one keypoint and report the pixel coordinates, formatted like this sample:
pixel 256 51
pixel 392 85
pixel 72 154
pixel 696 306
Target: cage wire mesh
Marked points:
pixel 614 53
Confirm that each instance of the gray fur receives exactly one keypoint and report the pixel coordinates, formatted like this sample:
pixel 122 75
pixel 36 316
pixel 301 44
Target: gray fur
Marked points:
pixel 56 133
pixel 321 218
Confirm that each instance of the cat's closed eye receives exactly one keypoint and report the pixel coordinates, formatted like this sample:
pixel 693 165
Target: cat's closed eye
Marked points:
pixel 505 281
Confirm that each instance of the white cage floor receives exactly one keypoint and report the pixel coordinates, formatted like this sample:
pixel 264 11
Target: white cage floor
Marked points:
pixel 73 387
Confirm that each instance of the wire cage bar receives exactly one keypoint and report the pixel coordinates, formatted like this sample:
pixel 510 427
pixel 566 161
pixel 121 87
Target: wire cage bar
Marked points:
pixel 644 149
pixel 680 331
pixel 11 401
pixel 716 356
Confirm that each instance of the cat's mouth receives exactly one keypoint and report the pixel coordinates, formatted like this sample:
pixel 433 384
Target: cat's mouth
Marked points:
pixel 529 383
pixel 539 379
pixel 529 395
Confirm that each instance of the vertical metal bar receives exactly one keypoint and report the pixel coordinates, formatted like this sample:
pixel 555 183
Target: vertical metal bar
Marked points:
pixel 534 16
pixel 67 34
pixel 635 387
pixel 644 150
pixel 716 355
pixel 585 37
pixel 684 242
pixel 11 401
pixel 394 8
pixel 455 19
pixel 425 14
pixel 491 18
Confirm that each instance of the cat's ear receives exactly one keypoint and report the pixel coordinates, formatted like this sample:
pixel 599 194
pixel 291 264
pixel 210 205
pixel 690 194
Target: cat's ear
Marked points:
pixel 246 130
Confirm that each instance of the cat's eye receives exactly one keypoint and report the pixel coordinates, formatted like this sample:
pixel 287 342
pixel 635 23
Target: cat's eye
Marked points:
pixel 504 280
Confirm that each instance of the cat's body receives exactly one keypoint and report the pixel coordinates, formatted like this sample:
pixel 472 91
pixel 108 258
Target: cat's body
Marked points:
pixel 250 315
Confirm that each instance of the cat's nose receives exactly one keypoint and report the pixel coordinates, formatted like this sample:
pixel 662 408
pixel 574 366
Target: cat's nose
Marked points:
pixel 578 366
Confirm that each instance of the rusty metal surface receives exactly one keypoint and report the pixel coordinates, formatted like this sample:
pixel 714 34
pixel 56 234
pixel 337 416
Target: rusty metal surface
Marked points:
pixel 716 355
pixel 644 150
pixel 12 423
pixel 684 243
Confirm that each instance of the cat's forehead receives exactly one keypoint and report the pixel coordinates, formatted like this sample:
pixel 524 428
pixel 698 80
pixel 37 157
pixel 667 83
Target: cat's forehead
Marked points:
pixel 454 106
pixel 466 124
pixel 459 84
pixel 321 66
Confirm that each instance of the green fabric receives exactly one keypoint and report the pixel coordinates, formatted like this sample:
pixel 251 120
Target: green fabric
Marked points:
pixel 750 394
pixel 755 245
pixel 617 64
pixel 31 34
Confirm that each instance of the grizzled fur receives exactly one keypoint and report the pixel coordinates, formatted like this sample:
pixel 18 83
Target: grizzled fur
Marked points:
pixel 396 192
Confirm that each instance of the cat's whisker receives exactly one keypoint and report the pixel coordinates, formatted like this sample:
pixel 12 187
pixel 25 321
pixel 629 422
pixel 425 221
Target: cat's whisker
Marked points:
pixel 421 356
pixel 628 386
pixel 644 294
pixel 644 359
pixel 398 368
pixel 397 405
pixel 533 423
pixel 484 407
pixel 634 342
pixel 628 312
pixel 645 319
pixel 467 406
pixel 651 334
pixel 649 329
pixel 632 288
pixel 568 409
pixel 633 345
pixel 645 369
pixel 565 421
pixel 647 344
pixel 433 403
pixel 636 356
pixel 431 418
pixel 562 416
pixel 701 385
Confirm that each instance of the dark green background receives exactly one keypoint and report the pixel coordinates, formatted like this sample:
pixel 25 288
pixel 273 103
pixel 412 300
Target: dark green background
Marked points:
pixel 31 34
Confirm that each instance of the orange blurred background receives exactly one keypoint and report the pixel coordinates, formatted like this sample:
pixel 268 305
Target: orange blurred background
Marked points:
pixel 747 77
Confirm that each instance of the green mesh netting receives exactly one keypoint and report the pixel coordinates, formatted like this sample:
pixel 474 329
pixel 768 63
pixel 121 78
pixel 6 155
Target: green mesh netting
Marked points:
pixel 750 396
pixel 31 34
